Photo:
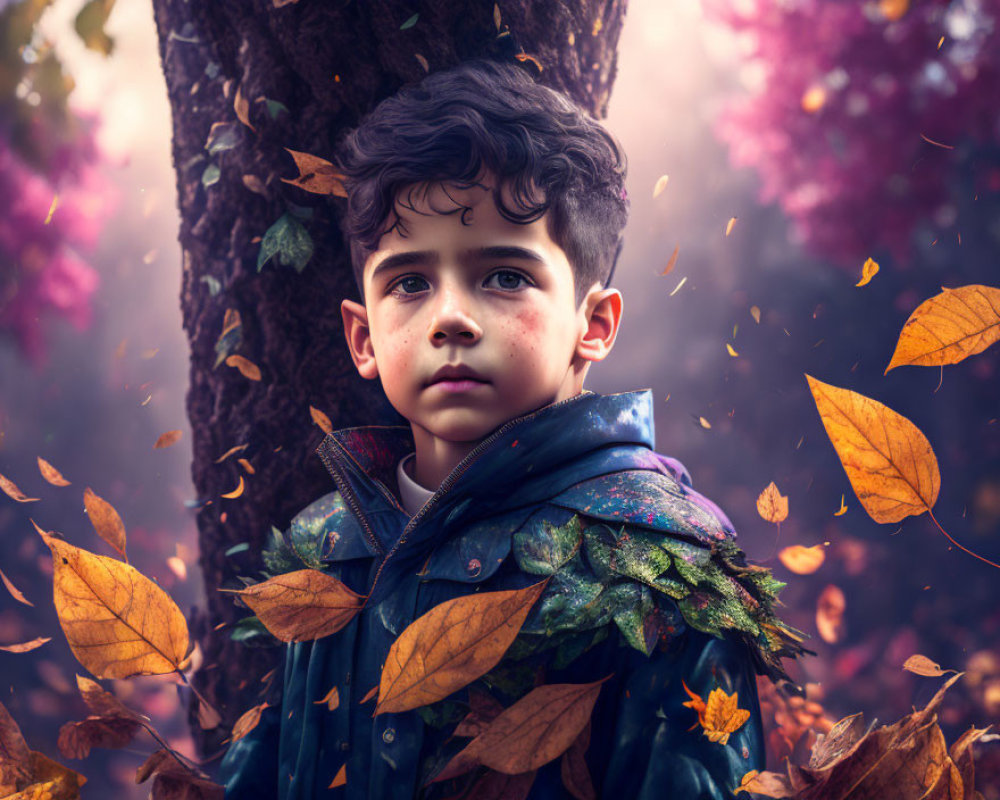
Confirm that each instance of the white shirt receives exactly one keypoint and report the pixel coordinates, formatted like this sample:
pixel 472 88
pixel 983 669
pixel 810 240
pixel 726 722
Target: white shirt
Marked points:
pixel 411 493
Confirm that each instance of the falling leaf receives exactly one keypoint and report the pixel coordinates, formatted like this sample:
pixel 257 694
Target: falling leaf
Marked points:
pixel 830 613
pixel 174 780
pixel 245 366
pixel 893 10
pixel 208 717
pixel 316 175
pixel 14 591
pixel 772 505
pixel 321 419
pixel 949 327
pixel 242 108
pixel 661 184
pixel 246 465
pixel 106 521
pixel 868 271
pixel 332 700
pixel 704 423
pixel 450 646
pixel 235 492
pixel 722 716
pixel 755 313
pixel 768 784
pixel 230 451
pixel 803 560
pixel 255 185
pixel 922 665
pixel 730 350
pixel 26 647
pixel 729 225
pixel 167 439
pixel 50 473
pixel 52 208
pixel 888 461
pixel 525 57
pixel 843 508
pixel 409 23
pixel 248 721
pixel 677 288
pixel 303 605
pixel 117 621
pixel 672 262
pixel 937 144
pixel 496 16
pixel 340 778
pixel 423 62
pixel 178 567
pixel 77 738
pixel 11 490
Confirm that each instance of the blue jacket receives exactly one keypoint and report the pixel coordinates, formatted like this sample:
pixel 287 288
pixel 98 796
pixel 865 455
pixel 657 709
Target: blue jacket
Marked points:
pixel 654 594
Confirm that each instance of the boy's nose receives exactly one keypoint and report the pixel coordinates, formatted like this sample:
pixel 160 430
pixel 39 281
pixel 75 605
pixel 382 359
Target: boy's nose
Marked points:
pixel 452 320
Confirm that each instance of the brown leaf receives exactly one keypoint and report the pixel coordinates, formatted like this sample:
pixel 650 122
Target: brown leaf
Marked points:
pixel 14 591
pixel 573 768
pixel 485 709
pixel 59 782
pixel 161 761
pixel 830 613
pixel 802 560
pixel 889 462
pixel 833 746
pixel 50 473
pixel 450 646
pixel 537 728
pixel 77 738
pixel 768 784
pixel 26 647
pixel 340 778
pixel 961 755
pixel 949 327
pixel 242 108
pixel 303 605
pixel 672 262
pixel 167 439
pixel 321 419
pixel 100 701
pixel 316 175
pixel 175 780
pixel 497 786
pixel 246 367
pixel 117 621
pixel 15 757
pixel 248 721
pixel 208 717
pixel 332 700
pixel 772 505
pixel 105 519
pixel 10 489
pixel 922 665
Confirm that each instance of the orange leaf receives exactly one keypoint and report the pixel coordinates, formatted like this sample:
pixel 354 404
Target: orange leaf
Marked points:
pixel 14 591
pixel 672 262
pixel 242 108
pixel 843 508
pixel 321 419
pixel 768 784
pixel 208 717
pixel 229 452
pixel 235 492
pixel 26 647
pixel 723 715
pixel 830 613
pixel 332 700
pixel 922 665
pixel 51 474
pixel 868 271
pixel 340 778
pixel 303 605
pixel 537 728
pixel 696 702
pixel 167 438
pixel 15 757
pixel 117 621
pixel 949 327
pixel 890 463
pixel 772 505
pixel 730 225
pixel 246 367
pixel 11 490
pixel 893 9
pixel 450 646
pixel 316 175
pixel 802 560
pixel 105 519
pixel 248 721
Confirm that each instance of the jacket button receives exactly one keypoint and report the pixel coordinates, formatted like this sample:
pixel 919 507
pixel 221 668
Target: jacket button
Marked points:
pixel 345 746
pixel 388 735
pixel 474 567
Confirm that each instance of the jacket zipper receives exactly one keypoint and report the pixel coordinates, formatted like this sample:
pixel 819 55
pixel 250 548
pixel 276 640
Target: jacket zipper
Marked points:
pixel 345 490
pixel 459 470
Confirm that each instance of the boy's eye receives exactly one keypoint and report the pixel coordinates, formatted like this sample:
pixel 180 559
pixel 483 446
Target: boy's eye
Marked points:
pixel 508 279
pixel 411 284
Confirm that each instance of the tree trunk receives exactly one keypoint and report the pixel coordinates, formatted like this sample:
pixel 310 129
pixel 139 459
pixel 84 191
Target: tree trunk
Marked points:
pixel 309 70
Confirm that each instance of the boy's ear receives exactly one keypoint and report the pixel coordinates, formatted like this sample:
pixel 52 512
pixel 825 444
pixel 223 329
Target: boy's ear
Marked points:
pixel 359 340
pixel 603 313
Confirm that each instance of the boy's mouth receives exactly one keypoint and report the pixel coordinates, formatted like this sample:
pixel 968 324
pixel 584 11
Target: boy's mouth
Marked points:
pixel 456 374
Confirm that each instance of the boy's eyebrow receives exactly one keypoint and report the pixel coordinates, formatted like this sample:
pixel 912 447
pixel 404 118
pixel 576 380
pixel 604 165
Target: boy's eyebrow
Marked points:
pixel 424 256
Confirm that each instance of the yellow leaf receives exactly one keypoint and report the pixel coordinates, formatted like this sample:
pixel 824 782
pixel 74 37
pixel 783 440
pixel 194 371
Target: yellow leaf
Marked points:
pixel 772 505
pixel 105 519
pixel 720 716
pixel 316 175
pixel 248 721
pixel 452 645
pixel 235 492
pixel 246 367
pixel 26 647
pixel 117 621
pixel 661 184
pixel 340 778
pixel 755 313
pixel 672 262
pixel 50 473
pixel 167 439
pixel 729 225
pixel 303 605
pixel 14 591
pixel 868 271
pixel 949 327
pixel 730 350
pixel 843 508
pixel 11 490
pixel 321 419
pixel 802 560
pixel 242 108
pixel 888 461
pixel 704 423
pixel 332 699
pixel 52 209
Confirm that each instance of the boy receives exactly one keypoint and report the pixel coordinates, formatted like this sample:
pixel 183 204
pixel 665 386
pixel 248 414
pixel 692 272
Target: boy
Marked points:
pixel 485 217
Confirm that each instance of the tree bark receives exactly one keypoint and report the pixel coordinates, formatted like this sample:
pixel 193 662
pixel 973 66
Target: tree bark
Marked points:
pixel 327 63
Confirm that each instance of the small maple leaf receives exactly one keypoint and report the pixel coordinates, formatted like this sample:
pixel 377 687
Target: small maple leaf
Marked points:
pixel 718 717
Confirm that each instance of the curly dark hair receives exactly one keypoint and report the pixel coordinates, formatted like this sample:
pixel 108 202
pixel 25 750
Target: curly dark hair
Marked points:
pixel 457 124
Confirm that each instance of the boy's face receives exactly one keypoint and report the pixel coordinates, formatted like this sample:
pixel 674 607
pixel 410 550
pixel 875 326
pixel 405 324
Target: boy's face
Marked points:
pixel 433 301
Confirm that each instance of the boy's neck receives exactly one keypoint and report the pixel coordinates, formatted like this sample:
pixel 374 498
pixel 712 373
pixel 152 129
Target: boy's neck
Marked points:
pixel 436 458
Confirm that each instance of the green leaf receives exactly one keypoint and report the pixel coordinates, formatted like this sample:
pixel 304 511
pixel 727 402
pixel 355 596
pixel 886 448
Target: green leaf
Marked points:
pixel 409 23
pixel 210 176
pixel 222 136
pixel 289 240
pixel 89 24
pixel 251 631
pixel 242 547
pixel 213 286
pixel 275 107
pixel 545 549
pixel 228 342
